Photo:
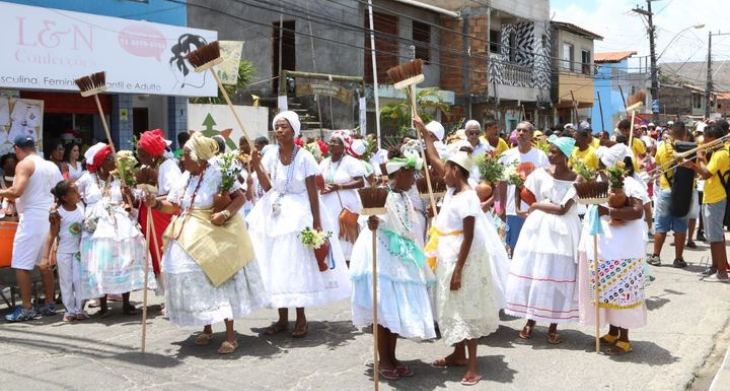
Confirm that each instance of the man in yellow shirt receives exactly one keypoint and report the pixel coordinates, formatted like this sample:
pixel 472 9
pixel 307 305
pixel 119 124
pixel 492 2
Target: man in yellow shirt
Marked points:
pixel 584 151
pixel 637 147
pixel 491 136
pixel 664 221
pixel 715 172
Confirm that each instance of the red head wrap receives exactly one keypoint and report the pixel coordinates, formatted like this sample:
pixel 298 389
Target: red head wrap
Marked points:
pixel 99 158
pixel 153 142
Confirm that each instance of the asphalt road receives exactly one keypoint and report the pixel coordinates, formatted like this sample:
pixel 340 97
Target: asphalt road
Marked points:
pixel 688 320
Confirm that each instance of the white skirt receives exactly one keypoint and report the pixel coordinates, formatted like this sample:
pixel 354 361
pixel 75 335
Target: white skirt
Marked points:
pixel 404 303
pixel 192 301
pixel 288 268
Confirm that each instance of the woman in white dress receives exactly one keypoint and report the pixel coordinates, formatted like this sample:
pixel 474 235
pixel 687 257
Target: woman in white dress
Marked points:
pixel 541 282
pixel 75 168
pixel 404 304
pixel 621 252
pixel 210 271
pixel 465 247
pixel 112 246
pixel 343 175
pixel 291 204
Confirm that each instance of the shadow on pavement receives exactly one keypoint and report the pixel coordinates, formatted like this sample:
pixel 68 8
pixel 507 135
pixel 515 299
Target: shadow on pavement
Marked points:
pixel 248 345
pixel 646 352
pixel 330 334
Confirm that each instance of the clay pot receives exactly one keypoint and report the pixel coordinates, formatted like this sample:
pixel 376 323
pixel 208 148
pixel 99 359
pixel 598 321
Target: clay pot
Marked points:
pixel 221 201
pixel 617 199
pixel 321 254
pixel 484 191
pixel 527 196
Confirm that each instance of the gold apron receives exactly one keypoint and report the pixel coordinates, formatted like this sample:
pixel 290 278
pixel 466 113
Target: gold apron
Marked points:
pixel 220 251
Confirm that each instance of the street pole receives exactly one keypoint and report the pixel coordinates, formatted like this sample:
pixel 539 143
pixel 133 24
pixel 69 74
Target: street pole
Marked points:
pixel 652 52
pixel 708 88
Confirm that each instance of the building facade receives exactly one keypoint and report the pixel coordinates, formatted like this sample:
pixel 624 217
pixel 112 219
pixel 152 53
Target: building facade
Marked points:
pixel 53 42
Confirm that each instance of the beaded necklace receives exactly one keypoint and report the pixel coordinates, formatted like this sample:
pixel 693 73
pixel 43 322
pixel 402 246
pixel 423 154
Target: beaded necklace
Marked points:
pixel 402 212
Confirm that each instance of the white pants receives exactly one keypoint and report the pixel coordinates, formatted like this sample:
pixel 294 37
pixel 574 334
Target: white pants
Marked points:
pixel 33 228
pixel 69 276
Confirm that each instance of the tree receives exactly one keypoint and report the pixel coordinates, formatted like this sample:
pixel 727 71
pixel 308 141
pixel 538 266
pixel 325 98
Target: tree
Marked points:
pixel 246 72
pixel 397 116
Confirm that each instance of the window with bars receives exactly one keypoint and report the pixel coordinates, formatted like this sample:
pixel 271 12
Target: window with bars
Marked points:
pixel 422 40
pixel 585 60
pixel 494 41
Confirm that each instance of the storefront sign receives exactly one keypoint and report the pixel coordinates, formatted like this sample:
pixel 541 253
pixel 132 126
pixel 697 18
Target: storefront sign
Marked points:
pixel 47 49
pixel 325 89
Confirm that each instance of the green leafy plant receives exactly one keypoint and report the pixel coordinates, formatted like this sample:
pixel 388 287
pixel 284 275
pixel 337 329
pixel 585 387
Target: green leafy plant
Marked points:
pixel 126 167
pixel 229 171
pixel 490 169
pixel 580 168
pixel 616 175
pixel 312 238
pixel 398 115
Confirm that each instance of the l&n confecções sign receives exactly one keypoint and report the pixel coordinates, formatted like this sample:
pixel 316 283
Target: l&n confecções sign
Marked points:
pixel 47 49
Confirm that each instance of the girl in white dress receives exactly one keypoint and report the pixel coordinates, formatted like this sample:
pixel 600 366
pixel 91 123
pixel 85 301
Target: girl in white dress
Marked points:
pixel 404 305
pixel 343 175
pixel 289 269
pixel 467 305
pixel 210 271
pixel 112 246
pixel 541 282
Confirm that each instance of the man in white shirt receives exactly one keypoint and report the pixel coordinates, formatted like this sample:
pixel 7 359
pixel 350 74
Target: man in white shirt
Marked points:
pixel 523 153
pixel 474 146
pixel 31 190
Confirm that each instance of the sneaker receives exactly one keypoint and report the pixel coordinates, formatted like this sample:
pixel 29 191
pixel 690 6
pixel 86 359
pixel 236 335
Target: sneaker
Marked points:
pixel 717 278
pixel 679 263
pixel 701 237
pixel 654 260
pixel 48 309
pixel 709 271
pixel 21 314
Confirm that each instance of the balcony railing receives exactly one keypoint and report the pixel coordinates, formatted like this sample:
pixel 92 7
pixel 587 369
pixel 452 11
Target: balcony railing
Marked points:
pixel 505 73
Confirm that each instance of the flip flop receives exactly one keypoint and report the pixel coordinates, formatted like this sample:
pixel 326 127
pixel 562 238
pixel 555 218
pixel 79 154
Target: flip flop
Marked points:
pixel 389 374
pixel 526 332
pixel 228 347
pixel 203 339
pixel 470 382
pixel 404 370
pixel 275 328
pixel 443 363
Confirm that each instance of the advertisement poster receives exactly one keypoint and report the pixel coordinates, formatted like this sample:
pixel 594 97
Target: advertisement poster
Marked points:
pixel 215 120
pixel 20 117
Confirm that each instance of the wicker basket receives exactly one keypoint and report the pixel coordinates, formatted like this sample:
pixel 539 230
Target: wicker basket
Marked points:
pixel 592 192
pixel 437 185
pixel 373 200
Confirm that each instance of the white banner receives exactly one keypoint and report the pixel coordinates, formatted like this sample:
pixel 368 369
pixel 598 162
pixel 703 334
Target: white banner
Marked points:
pixel 45 48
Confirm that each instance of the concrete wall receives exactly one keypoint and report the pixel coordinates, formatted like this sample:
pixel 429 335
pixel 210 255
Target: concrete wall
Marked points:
pixel 565 80
pixel 527 9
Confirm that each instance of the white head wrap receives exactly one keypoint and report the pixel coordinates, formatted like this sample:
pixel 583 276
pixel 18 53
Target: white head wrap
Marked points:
pixel 437 129
pixel 293 119
pixel 89 154
pixel 569 125
pixel 472 122
pixel 358 147
pixel 410 159
pixel 609 156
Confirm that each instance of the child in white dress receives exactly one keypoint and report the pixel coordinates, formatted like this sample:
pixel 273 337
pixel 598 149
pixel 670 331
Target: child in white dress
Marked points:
pixel 404 305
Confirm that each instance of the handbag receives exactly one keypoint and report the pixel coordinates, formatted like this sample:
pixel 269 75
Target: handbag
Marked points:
pixel 349 228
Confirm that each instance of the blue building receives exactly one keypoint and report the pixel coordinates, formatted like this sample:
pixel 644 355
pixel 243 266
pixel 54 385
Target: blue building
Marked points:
pixel 140 44
pixel 613 75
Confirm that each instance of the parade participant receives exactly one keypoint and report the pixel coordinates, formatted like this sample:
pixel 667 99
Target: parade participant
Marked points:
pixel 541 281
pixel 291 204
pixel 491 136
pixel 474 146
pixel 525 152
pixel 182 138
pixel 664 220
pixel 210 270
pixel 164 174
pixel 112 247
pixel 404 306
pixel 621 250
pixel 439 132
pixel 66 222
pixel 625 127
pixel 343 175
pixel 584 151
pixel 75 168
pixel 714 201
pixel 31 190
pixel 56 157
pixel 7 205
pixel 468 257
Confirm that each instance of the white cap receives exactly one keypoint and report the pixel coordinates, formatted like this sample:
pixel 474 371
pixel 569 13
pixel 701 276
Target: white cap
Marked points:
pixel 569 125
pixel 436 129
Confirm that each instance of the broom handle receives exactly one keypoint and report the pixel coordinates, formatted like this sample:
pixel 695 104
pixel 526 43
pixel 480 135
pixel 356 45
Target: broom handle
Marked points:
pixel 414 113
pixel 597 293
pixel 376 366
pixel 103 122
pixel 631 135
pixel 230 106
pixel 146 280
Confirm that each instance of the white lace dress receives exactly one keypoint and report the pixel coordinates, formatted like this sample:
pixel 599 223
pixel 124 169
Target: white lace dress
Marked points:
pixel 472 311
pixel 404 304
pixel 191 300
pixel 113 249
pixel 343 171
pixel 288 268
pixel 541 284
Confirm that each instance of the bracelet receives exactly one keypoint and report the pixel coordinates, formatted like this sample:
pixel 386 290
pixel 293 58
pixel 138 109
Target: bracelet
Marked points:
pixel 226 213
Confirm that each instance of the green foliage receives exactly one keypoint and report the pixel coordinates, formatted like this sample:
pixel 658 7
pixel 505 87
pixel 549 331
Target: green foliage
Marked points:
pixel 490 169
pixel 397 115
pixel 583 171
pixel 616 175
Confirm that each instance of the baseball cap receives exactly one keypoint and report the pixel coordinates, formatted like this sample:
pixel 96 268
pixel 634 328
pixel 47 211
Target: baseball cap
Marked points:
pixel 24 141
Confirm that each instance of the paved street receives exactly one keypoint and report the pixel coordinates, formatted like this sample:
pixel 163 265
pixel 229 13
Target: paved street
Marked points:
pixel 686 317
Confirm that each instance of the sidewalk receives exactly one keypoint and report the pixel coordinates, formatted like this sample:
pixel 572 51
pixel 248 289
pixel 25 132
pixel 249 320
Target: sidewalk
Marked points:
pixel 722 379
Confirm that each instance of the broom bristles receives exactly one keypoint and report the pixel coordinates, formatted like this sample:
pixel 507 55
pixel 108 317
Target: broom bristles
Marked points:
pixel 407 74
pixel 639 96
pixel 92 84
pixel 205 56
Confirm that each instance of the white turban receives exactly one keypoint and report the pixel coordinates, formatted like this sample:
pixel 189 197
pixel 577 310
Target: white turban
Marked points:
pixel 437 129
pixel 472 122
pixel 609 156
pixel 410 160
pixel 292 118
pixel 358 148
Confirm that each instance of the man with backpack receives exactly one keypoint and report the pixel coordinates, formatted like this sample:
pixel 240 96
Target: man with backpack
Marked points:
pixel 716 173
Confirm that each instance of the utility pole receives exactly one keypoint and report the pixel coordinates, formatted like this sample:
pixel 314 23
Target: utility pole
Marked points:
pixel 709 86
pixel 652 53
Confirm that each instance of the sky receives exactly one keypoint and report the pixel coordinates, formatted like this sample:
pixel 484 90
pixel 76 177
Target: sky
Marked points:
pixel 624 30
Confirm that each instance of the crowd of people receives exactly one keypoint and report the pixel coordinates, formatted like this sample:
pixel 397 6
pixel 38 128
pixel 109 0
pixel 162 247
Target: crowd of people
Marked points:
pixel 286 230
